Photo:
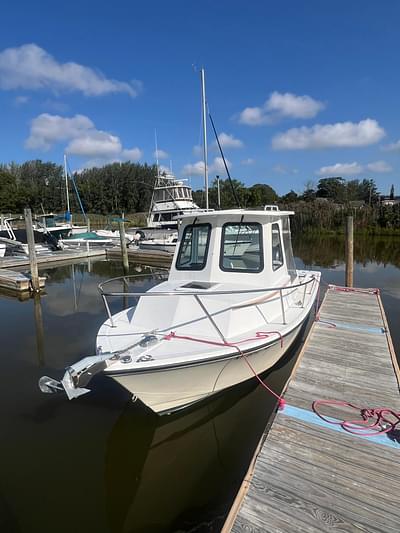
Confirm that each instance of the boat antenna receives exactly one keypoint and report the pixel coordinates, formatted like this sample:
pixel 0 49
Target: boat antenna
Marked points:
pixel 203 104
pixel 66 187
pixel 226 166
pixel 157 163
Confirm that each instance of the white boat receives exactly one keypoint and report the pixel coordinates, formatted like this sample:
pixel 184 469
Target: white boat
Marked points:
pixel 166 243
pixel 86 240
pixel 16 240
pixel 171 199
pixel 224 314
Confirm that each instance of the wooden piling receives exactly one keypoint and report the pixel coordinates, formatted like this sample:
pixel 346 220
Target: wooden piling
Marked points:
pixel 88 224
pixel 37 308
pixel 124 250
pixel 32 250
pixel 349 251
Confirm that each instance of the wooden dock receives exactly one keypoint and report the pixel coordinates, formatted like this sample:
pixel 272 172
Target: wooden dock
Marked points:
pixel 144 257
pixel 63 256
pixel 16 281
pixel 309 475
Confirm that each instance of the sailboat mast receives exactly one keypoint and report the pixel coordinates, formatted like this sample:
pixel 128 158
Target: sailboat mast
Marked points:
pixel 157 163
pixel 66 182
pixel 203 103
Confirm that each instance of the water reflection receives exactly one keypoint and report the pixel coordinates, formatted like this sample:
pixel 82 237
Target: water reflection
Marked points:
pixel 328 250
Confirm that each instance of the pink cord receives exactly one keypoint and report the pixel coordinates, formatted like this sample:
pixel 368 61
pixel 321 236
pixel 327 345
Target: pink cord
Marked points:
pixel 259 335
pixel 373 421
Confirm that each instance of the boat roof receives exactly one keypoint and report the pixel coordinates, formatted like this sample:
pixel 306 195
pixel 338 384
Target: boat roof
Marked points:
pixel 226 213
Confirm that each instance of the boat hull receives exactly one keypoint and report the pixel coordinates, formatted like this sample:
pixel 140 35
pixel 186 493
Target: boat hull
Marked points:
pixel 166 390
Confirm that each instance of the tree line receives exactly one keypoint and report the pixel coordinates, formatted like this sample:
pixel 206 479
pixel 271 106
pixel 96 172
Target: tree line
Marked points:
pixel 127 187
pixel 115 188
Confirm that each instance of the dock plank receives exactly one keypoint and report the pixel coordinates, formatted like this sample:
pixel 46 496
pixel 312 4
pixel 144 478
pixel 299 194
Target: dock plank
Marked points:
pixel 307 477
pixel 16 281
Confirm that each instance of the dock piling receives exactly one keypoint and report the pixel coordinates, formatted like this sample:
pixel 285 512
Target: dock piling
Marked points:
pixel 124 249
pixel 349 251
pixel 32 250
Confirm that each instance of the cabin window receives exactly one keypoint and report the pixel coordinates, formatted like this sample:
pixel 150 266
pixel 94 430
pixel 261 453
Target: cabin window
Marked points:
pixel 277 253
pixel 194 247
pixel 241 247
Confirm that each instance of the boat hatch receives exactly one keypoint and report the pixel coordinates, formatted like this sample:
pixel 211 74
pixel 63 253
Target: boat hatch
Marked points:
pixel 198 285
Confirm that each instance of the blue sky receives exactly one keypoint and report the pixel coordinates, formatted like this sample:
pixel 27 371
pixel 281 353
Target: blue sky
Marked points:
pixel 298 89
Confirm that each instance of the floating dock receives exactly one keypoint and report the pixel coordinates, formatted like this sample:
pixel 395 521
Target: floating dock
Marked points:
pixel 312 475
pixel 53 257
pixel 16 281
pixel 145 257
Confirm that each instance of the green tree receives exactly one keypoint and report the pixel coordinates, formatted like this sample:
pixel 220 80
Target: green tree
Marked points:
pixel 332 188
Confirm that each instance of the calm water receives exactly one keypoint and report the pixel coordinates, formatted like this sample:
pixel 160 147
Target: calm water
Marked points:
pixel 103 464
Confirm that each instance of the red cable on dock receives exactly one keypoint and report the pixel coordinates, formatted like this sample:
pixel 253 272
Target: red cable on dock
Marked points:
pixel 373 421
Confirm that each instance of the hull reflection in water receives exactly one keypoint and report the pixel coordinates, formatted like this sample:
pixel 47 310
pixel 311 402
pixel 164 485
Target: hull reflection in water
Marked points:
pixel 183 471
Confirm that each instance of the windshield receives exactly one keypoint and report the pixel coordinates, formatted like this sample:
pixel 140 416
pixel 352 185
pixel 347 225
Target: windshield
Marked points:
pixel 194 247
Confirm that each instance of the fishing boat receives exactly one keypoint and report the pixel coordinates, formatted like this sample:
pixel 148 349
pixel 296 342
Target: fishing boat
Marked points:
pixel 15 238
pixel 224 314
pixel 171 199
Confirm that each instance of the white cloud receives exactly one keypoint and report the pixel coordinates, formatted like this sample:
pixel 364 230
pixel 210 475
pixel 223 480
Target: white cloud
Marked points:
pixel 253 116
pixel 20 100
pixel 197 169
pixel 228 141
pixel 95 143
pixel 160 154
pixel 341 169
pixel 197 150
pixel 247 162
pixel 132 154
pixel 84 139
pixel 290 105
pixel 341 134
pixel 31 67
pixel 218 165
pixel 392 147
pixel 282 169
pixel 353 169
pixel 379 166
pixel 47 130
pixel 279 106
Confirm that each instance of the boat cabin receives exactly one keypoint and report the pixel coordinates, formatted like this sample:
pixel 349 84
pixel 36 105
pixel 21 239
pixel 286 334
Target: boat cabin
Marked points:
pixel 235 246
pixel 171 199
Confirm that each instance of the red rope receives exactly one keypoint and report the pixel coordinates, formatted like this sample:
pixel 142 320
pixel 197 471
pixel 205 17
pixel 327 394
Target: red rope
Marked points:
pixel 373 421
pixel 353 289
pixel 259 335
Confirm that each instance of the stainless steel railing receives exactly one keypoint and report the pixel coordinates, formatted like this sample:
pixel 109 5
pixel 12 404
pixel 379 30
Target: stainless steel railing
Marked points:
pixel 205 292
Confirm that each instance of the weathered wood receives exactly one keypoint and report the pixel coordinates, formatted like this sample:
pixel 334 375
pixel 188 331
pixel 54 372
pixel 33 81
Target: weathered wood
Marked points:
pixel 32 250
pixel 124 250
pixel 53 257
pixel 311 478
pixel 145 257
pixel 349 251
pixel 17 282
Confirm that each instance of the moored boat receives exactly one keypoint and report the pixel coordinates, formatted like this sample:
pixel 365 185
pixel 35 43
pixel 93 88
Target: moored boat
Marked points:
pixel 232 306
